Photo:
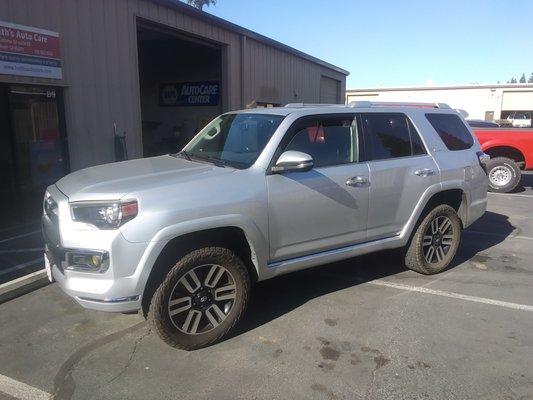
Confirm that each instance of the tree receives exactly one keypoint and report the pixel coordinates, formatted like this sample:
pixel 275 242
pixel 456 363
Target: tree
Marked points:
pixel 199 4
pixel 523 78
pixel 513 80
pixel 530 80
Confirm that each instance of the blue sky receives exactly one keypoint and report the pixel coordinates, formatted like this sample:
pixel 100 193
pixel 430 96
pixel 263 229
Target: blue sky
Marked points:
pixel 400 43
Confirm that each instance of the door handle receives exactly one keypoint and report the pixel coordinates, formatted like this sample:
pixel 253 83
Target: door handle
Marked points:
pixel 357 181
pixel 424 172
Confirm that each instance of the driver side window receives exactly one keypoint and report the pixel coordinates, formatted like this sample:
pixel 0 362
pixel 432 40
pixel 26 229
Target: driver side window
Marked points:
pixel 329 140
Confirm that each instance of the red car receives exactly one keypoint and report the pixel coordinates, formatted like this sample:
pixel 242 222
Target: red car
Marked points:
pixel 510 150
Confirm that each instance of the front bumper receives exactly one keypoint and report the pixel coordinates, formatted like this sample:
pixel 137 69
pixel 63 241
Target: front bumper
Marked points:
pixel 117 289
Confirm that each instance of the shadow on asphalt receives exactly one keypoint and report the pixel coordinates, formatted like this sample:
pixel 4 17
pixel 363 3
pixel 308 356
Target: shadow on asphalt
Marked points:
pixel 276 297
pixel 526 182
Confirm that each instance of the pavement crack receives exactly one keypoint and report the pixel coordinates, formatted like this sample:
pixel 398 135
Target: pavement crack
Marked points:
pixel 64 384
pixel 132 355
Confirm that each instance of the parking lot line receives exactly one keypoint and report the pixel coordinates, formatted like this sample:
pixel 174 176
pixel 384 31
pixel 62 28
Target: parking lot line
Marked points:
pixel 20 236
pixel 475 299
pixel 21 266
pixel 21 390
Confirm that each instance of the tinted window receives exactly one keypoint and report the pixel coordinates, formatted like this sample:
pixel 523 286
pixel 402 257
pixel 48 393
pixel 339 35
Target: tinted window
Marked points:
pixel 391 136
pixel 451 130
pixel 416 142
pixel 330 141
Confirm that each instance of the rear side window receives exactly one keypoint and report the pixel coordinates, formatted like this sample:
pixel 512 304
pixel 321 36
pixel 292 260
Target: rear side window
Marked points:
pixel 451 130
pixel 390 135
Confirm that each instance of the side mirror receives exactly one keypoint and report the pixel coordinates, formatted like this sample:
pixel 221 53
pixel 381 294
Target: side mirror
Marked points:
pixel 293 161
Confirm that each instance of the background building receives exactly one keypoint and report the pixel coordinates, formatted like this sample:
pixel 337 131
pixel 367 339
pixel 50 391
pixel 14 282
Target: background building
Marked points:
pixel 487 102
pixel 74 75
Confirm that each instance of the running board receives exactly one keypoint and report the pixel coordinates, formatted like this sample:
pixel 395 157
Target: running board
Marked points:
pixel 329 256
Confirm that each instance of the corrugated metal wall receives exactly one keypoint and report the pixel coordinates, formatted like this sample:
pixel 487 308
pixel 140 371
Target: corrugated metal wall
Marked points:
pixel 100 70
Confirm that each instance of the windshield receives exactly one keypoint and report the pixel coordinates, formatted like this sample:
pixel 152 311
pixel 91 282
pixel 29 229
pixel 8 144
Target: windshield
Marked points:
pixel 234 139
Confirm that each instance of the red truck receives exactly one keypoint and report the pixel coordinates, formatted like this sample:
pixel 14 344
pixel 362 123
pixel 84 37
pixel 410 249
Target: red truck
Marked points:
pixel 510 150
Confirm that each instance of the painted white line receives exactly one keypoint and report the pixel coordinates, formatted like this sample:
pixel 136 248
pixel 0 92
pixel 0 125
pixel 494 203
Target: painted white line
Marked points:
pixel 22 250
pixel 20 236
pixel 511 194
pixel 21 266
pixel 21 390
pixel 22 278
pixel 511 236
pixel 475 299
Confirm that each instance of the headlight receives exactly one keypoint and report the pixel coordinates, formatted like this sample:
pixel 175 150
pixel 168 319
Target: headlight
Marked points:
pixel 104 215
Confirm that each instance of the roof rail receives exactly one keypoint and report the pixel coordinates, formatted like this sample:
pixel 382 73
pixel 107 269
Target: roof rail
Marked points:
pixel 302 105
pixel 370 104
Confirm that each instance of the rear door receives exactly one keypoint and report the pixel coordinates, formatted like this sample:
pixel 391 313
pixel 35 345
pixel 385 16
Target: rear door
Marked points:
pixel 400 171
pixel 324 208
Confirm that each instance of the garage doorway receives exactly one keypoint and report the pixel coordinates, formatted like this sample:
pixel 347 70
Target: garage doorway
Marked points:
pixel 180 85
pixel 329 90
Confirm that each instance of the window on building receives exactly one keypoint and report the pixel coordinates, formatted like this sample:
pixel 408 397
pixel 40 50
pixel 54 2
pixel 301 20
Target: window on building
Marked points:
pixel 330 141
pixel 391 135
pixel 451 130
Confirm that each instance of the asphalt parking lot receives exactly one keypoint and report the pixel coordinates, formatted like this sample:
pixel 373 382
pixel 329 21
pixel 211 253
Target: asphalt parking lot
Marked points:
pixel 362 329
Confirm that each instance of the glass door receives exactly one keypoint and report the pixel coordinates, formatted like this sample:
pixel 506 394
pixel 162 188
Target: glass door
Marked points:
pixel 36 148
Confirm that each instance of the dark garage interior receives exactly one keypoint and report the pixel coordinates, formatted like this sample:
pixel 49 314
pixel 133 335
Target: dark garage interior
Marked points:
pixel 174 71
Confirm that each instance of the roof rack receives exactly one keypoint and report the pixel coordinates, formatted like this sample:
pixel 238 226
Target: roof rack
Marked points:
pixel 370 104
pixel 302 105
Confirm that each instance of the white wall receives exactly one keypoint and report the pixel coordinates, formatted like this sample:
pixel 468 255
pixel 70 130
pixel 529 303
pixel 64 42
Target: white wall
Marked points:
pixel 475 101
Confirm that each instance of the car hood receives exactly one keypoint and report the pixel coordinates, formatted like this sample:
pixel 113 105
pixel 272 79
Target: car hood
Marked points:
pixel 116 180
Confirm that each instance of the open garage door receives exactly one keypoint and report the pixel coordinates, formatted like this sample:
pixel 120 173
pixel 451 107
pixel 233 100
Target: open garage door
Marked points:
pixel 181 84
pixel 329 90
pixel 518 101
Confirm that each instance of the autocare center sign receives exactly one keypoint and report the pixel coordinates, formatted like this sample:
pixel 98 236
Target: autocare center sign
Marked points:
pixel 29 51
pixel 190 94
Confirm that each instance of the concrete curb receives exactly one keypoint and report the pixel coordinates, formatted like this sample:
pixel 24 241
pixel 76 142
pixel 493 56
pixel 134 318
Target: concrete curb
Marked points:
pixel 23 285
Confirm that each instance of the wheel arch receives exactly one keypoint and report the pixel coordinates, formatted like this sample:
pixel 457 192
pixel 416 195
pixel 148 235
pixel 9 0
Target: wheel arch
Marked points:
pixel 506 151
pixel 233 237
pixel 454 196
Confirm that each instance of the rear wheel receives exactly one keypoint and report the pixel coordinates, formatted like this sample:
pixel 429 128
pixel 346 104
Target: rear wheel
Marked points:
pixel 201 299
pixel 503 173
pixel 435 241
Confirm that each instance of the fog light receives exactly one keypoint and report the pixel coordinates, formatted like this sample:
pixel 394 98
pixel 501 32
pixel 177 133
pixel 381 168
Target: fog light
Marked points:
pixel 87 261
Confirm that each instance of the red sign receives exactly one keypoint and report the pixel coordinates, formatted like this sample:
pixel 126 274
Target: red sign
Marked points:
pixel 28 41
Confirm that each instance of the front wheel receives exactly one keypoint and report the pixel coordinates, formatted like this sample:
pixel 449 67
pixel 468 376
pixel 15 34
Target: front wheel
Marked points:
pixel 503 173
pixel 201 299
pixel 434 242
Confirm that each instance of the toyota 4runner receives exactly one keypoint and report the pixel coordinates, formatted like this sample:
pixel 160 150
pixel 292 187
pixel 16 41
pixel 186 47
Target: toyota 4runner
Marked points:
pixel 256 194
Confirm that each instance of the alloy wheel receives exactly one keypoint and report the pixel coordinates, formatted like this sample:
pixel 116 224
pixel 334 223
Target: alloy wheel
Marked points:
pixel 202 299
pixel 438 239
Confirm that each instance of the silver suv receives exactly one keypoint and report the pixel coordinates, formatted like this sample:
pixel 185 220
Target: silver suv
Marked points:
pixel 260 193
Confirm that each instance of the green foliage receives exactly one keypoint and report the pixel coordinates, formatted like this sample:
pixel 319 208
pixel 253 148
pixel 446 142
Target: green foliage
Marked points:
pixel 523 78
pixel 530 80
pixel 199 4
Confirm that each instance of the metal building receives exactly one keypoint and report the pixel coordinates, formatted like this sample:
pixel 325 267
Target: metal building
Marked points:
pixel 87 82
pixel 487 102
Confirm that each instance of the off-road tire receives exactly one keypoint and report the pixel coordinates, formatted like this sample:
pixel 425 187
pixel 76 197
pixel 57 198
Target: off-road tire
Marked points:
pixel 414 255
pixel 158 314
pixel 508 165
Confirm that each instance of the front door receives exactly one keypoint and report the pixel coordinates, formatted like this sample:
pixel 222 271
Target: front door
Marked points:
pixel 324 208
pixel 400 171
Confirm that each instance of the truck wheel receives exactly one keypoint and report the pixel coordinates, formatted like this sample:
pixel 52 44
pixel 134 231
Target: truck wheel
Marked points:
pixel 435 241
pixel 503 173
pixel 201 299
